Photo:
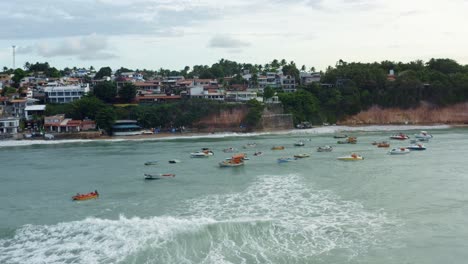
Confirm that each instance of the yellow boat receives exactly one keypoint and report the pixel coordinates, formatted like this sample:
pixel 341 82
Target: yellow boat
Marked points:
pixel 277 148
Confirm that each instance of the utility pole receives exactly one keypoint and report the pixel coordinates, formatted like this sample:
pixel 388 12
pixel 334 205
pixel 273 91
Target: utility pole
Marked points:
pixel 14 48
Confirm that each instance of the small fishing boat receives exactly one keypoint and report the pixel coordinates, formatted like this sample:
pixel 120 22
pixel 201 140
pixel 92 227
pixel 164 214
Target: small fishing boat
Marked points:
pixel 417 147
pixel 87 196
pixel 301 156
pixel 352 157
pixel 235 161
pixel 399 151
pixel 349 140
pixel 277 148
pixel 400 136
pixel 203 153
pixel 299 144
pixel 152 162
pixel 258 153
pixel 152 176
pixel 174 161
pixel 325 148
pixel 423 134
pixel 250 145
pixel 383 145
pixel 199 154
pixel 340 136
pixel 284 160
pixel 228 150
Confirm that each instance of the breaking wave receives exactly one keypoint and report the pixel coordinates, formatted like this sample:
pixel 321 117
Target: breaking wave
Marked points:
pixel 278 219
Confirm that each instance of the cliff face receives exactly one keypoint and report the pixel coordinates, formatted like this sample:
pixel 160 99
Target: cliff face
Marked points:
pixel 227 120
pixel 424 114
pixel 231 120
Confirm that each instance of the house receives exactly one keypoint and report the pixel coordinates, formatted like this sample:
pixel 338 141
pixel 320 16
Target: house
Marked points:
pixel 16 107
pixel 391 76
pixel 9 126
pixel 149 86
pixel 201 92
pixel 159 98
pixel 309 77
pixel 242 96
pixel 31 110
pixel 59 124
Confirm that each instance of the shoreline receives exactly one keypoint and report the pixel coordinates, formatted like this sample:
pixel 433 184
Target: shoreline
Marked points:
pixel 175 136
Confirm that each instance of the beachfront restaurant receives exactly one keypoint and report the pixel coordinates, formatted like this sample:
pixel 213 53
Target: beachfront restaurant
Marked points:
pixel 126 128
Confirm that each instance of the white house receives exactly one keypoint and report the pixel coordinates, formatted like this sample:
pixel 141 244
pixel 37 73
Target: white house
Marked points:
pixel 65 94
pixel 31 110
pixel 9 125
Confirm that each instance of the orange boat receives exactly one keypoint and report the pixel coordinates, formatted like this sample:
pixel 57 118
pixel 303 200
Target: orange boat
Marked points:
pixel 234 161
pixel 87 196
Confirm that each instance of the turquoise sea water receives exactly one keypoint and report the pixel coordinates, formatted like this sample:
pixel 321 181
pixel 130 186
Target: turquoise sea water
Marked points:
pixel 384 209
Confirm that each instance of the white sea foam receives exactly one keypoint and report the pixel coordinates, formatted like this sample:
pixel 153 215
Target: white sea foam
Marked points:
pixel 317 130
pixel 92 240
pixel 278 219
pixel 293 224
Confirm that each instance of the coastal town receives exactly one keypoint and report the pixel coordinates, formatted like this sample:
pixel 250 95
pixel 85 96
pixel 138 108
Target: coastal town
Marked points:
pixel 23 109
pixel 44 102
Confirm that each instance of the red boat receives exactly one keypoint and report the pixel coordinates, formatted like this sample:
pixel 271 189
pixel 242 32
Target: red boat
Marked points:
pixel 87 196
pixel 400 136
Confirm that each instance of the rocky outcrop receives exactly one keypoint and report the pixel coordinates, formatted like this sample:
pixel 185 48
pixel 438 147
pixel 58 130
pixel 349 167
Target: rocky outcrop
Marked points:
pixel 424 114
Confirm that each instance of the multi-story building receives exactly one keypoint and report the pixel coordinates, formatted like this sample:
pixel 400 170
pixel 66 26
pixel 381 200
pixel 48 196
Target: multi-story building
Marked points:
pixel 9 126
pixel 309 77
pixel 65 94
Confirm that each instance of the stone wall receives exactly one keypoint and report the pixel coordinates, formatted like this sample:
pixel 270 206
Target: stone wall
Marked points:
pixel 273 118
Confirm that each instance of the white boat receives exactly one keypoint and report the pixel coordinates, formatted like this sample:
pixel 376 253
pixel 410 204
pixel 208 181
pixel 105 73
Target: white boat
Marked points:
pixel 200 154
pixel 174 161
pixel 325 149
pixel 228 150
pixel 152 162
pixel 417 147
pixel 352 157
pixel 250 145
pixel 301 156
pixel 151 176
pixel 399 151
pixel 423 135
pixel 284 160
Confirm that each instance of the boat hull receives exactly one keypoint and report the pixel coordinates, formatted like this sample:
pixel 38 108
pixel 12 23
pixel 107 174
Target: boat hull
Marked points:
pixel 84 197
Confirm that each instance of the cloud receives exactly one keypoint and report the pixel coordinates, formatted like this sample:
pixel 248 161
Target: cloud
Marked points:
pixel 226 42
pixel 91 47
pixel 56 18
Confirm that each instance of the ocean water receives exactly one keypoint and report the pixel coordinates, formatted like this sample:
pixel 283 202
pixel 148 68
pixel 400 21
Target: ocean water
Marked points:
pixel 384 209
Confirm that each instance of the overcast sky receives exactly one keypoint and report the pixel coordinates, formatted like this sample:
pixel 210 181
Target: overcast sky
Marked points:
pixel 173 33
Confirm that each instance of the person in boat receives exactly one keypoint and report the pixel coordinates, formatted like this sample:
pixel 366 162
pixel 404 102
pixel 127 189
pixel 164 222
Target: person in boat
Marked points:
pixel 96 192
